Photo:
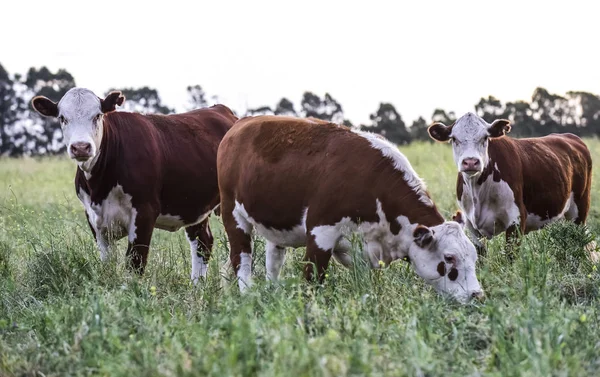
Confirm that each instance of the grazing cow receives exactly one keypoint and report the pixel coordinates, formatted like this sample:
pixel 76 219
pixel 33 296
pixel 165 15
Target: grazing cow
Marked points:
pixel 139 172
pixel 516 185
pixel 306 182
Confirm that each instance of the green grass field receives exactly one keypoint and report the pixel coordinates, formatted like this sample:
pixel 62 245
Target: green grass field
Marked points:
pixel 63 312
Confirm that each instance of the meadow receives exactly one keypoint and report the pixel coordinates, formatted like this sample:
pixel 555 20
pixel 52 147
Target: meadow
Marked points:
pixel 64 313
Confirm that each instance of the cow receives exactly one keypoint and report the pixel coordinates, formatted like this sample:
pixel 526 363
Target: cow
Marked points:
pixel 138 172
pixel 515 185
pixel 311 183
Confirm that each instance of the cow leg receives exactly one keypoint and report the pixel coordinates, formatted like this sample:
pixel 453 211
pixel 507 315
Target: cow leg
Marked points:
pixel 514 233
pixel 315 259
pixel 474 236
pixel 201 242
pixel 240 244
pixel 274 260
pixel 139 240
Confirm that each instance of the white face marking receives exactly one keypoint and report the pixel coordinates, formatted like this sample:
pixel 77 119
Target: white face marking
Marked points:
pixel 449 244
pixel 199 266
pixel 274 260
pixel 401 163
pixel 490 207
pixel 245 271
pixel 81 119
pixel 470 142
pixel 295 237
pixel 112 219
pixel 569 212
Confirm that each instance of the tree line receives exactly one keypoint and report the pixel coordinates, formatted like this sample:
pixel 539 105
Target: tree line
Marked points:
pixel 24 132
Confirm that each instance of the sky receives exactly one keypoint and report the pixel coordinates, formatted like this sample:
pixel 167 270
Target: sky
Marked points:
pixel 417 55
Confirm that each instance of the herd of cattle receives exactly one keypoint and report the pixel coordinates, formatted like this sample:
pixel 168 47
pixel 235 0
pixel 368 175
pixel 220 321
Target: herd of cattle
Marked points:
pixel 310 183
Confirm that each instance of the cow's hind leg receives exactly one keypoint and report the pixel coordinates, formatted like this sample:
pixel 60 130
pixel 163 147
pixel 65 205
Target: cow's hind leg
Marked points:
pixel 201 242
pixel 274 260
pixel 240 243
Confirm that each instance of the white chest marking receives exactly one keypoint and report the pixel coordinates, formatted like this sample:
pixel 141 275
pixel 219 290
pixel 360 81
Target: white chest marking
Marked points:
pixel 490 207
pixel 173 223
pixel 112 219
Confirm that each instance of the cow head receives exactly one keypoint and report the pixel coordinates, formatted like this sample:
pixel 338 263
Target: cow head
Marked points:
pixel 445 258
pixel 80 113
pixel 470 136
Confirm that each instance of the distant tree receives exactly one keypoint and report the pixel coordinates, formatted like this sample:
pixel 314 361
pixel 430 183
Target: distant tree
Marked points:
pixel 262 110
pixel 327 108
pixel 31 133
pixel 196 98
pixel 143 100
pixel 490 109
pixel 418 130
pixel 285 107
pixel 8 111
pixel 587 107
pixel 521 117
pixel 440 115
pixel 388 123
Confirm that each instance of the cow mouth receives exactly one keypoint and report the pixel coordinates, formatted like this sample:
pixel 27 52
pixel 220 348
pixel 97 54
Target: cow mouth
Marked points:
pixel 472 172
pixel 81 158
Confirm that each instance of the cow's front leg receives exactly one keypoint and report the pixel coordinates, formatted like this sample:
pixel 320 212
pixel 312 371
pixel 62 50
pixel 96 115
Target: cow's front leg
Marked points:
pixel 514 233
pixel 201 242
pixel 140 234
pixel 102 240
pixel 316 259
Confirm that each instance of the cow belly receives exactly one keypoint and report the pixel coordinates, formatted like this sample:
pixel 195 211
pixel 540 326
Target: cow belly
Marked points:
pixel 294 237
pixel 569 212
pixel 490 207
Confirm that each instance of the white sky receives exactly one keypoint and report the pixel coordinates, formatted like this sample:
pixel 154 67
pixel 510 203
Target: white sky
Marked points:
pixel 417 54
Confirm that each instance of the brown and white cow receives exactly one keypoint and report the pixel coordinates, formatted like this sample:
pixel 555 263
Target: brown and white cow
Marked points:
pixel 516 185
pixel 139 172
pixel 306 182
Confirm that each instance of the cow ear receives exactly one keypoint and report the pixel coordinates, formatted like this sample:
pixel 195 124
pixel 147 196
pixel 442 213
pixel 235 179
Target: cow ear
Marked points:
pixel 112 100
pixel 458 217
pixel 439 131
pixel 423 236
pixel 499 128
pixel 45 106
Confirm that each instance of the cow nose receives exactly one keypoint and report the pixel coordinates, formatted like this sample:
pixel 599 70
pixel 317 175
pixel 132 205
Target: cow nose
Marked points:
pixel 477 295
pixel 470 164
pixel 81 149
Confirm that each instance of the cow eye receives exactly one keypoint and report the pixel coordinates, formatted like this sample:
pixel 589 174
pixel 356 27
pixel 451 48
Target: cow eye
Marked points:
pixel 62 119
pixel 449 259
pixel 97 117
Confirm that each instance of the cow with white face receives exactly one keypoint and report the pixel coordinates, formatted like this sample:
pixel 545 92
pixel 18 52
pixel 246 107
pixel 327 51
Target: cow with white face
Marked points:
pixel 310 183
pixel 516 185
pixel 139 172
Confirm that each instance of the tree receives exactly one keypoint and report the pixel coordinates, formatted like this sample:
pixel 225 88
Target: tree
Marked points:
pixel 418 130
pixel 8 113
pixel 144 100
pixel 196 98
pixel 326 109
pixel 285 107
pixel 388 123
pixel 440 115
pixel 490 109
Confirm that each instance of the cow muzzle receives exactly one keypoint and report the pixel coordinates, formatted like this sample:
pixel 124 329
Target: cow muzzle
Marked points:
pixel 470 166
pixel 81 151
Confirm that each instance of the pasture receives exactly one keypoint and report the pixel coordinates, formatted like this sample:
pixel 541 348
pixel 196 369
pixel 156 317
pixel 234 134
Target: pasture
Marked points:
pixel 63 312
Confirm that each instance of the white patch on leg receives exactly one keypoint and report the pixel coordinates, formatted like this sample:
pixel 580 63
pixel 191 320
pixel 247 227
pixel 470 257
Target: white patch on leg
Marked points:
pixel 199 266
pixel 245 271
pixel 274 260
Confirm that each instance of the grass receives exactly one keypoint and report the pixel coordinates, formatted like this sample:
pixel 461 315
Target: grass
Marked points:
pixel 63 312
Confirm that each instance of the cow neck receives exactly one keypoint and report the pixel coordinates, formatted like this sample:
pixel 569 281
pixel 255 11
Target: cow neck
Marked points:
pixel 412 208
pixel 104 169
